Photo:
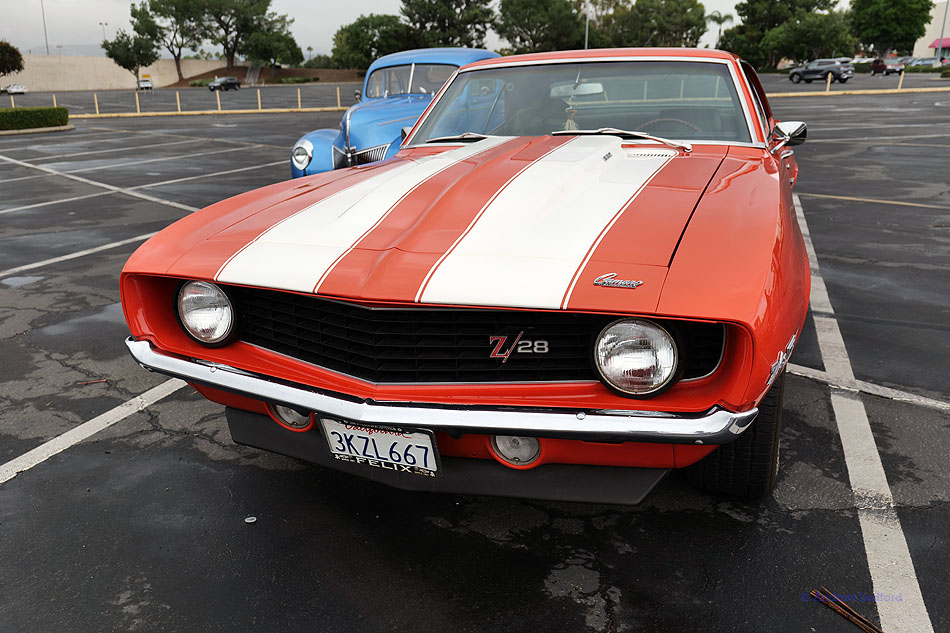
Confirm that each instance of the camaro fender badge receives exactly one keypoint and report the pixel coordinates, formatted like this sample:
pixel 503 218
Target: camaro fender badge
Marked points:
pixel 538 346
pixel 782 359
pixel 608 281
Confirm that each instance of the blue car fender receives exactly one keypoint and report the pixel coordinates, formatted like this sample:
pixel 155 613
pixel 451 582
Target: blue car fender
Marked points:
pixel 319 146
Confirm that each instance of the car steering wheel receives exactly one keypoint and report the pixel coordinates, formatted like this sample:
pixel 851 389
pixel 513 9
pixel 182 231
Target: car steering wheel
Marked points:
pixel 691 126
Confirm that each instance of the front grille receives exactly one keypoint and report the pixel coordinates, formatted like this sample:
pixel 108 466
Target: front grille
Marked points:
pixel 413 345
pixel 371 155
pixel 351 156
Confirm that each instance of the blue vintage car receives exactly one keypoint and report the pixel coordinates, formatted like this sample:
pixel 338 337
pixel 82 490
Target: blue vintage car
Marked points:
pixel 397 90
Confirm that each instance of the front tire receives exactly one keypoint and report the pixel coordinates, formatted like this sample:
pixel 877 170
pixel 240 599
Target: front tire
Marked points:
pixel 748 467
pixel 796 78
pixel 843 80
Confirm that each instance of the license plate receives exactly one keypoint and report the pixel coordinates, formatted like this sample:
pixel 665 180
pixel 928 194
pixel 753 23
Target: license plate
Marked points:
pixel 397 450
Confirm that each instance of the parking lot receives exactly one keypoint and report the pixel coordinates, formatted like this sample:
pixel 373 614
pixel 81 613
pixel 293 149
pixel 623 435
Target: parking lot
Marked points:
pixel 312 95
pixel 142 526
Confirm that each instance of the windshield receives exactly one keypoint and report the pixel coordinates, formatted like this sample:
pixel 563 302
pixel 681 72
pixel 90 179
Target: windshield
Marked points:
pixel 408 78
pixel 682 100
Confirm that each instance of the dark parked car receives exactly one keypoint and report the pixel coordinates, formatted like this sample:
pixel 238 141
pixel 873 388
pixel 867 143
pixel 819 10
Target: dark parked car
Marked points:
pixel 887 66
pixel 839 70
pixel 225 83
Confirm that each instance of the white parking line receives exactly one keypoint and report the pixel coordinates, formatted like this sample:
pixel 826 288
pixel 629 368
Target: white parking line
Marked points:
pixel 129 163
pixel 217 173
pixel 106 151
pixel 61 442
pixel 96 183
pixel 892 569
pixel 44 204
pixel 868 388
pixel 65 258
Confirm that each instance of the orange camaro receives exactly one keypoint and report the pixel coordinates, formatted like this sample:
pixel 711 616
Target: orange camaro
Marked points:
pixel 582 269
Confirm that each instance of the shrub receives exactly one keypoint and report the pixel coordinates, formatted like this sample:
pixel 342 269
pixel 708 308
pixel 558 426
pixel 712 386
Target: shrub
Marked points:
pixel 945 74
pixel 199 83
pixel 297 80
pixel 862 67
pixel 922 69
pixel 29 118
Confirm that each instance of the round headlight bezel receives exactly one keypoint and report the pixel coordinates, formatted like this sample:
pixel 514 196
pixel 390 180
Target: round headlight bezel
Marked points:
pixel 671 380
pixel 307 147
pixel 218 341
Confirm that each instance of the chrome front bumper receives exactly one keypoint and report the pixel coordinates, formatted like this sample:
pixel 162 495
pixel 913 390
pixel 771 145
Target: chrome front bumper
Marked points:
pixel 715 426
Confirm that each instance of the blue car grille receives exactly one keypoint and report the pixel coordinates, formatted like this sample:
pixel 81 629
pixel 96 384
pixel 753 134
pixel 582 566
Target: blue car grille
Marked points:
pixel 445 345
pixel 351 156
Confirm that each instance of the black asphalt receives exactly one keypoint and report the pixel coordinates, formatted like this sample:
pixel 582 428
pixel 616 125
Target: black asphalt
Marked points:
pixel 142 527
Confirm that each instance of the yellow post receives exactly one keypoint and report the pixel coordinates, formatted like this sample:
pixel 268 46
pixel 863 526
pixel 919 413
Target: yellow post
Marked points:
pixel 338 97
pixel 54 100
pixel 828 83
pixel 682 87
pixel 138 110
pixel 298 98
pixel 258 98
pixel 178 100
pixel 900 82
pixel 12 104
pixel 95 99
pixel 217 93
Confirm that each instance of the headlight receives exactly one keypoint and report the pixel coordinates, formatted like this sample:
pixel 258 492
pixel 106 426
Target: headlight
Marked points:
pixel 302 154
pixel 205 312
pixel 636 357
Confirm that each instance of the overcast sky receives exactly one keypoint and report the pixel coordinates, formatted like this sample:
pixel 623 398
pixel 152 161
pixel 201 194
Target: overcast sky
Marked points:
pixel 73 25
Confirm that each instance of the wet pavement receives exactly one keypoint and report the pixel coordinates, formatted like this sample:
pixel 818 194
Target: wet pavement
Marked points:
pixel 142 526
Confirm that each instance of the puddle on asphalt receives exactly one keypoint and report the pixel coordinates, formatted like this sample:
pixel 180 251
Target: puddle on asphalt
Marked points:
pixel 108 315
pixel 16 282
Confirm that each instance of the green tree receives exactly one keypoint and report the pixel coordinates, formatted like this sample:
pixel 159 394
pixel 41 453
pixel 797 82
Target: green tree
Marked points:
pixel 658 23
pixel 719 19
pixel 441 23
pixel 11 61
pixel 131 51
pixel 540 25
pixel 319 61
pixel 231 22
pixel 174 24
pixel 758 18
pixel 272 47
pixel 357 44
pixel 889 24
pixel 811 35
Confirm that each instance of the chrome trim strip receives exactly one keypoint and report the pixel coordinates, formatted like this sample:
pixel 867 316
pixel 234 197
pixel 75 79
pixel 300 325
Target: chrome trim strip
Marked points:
pixel 715 426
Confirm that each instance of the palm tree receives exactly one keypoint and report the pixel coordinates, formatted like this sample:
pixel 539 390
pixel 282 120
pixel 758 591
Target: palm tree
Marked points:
pixel 719 18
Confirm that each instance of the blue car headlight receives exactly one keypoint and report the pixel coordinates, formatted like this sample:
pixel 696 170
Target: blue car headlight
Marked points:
pixel 302 154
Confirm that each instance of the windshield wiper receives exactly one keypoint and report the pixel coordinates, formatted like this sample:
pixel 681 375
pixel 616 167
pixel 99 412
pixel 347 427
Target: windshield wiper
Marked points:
pixel 465 136
pixel 612 131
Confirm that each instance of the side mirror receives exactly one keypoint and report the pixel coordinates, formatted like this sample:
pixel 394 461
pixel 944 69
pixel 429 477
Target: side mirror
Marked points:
pixel 789 133
pixel 358 94
pixel 404 132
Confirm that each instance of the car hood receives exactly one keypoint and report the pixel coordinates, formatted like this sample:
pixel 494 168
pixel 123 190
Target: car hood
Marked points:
pixel 376 121
pixel 579 222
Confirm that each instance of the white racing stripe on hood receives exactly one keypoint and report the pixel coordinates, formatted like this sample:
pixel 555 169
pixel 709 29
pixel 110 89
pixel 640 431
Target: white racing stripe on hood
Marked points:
pixel 526 248
pixel 296 252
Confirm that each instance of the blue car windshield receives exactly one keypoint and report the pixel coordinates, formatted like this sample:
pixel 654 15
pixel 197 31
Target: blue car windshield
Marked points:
pixel 408 79
pixel 685 100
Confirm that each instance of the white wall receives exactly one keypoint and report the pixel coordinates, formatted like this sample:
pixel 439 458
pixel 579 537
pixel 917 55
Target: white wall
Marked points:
pixel 933 31
pixel 71 72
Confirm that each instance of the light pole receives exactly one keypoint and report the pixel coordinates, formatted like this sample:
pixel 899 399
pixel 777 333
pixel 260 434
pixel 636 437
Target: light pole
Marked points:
pixel 43 11
pixel 103 25
pixel 587 23
pixel 943 28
